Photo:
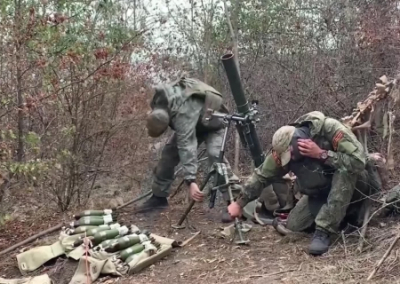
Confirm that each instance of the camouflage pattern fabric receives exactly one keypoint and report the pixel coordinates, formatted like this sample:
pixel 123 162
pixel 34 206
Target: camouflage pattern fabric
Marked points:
pixel 347 159
pixel 327 215
pixel 304 215
pixel 333 211
pixel 157 122
pixel 186 119
pixel 164 171
pixel 277 196
pixel 269 198
pixel 300 218
pixel 186 103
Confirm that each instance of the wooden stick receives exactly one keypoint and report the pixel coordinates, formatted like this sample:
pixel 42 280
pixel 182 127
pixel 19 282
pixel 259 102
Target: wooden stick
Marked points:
pixel 134 200
pixel 190 239
pixel 383 257
pixel 344 244
pixel 271 274
pixel 31 239
pixel 59 226
pixel 365 226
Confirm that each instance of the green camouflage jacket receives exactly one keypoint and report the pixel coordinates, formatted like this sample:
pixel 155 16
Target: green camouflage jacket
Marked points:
pixel 345 153
pixel 186 100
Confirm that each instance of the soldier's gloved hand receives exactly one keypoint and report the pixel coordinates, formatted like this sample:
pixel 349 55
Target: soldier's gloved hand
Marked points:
pixel 195 192
pixel 234 210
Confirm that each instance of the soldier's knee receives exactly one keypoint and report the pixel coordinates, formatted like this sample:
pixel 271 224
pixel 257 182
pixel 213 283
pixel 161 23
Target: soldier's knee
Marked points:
pixel 300 218
pixel 296 224
pixel 269 198
pixel 293 225
pixel 283 193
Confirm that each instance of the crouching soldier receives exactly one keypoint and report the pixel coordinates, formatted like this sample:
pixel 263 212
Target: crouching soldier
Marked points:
pixel 330 165
pixel 183 106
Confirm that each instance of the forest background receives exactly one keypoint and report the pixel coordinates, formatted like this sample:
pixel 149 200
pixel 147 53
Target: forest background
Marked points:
pixel 76 78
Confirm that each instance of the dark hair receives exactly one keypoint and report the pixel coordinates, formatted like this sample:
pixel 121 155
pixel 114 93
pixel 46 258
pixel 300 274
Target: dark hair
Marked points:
pixel 302 132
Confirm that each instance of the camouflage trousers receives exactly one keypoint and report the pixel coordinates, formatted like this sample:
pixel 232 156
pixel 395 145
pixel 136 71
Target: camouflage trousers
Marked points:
pixel 163 175
pixel 346 201
pixel 278 195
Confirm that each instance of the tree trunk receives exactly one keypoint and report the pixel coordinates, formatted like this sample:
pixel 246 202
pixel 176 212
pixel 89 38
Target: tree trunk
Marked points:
pixel 134 14
pixel 18 63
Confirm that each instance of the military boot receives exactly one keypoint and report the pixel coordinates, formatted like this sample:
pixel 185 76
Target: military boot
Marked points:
pixel 320 243
pixel 154 203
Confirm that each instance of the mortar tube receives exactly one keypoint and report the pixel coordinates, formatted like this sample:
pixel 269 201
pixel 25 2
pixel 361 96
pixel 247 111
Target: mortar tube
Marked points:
pixel 231 69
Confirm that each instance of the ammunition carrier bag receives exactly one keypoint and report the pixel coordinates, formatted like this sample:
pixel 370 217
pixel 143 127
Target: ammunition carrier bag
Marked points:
pixel 113 249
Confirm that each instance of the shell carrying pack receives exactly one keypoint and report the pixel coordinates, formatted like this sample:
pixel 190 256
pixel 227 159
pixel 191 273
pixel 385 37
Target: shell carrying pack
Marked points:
pixel 100 245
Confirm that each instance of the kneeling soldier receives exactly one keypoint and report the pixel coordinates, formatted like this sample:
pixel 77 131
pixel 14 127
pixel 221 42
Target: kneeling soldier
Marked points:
pixel 327 160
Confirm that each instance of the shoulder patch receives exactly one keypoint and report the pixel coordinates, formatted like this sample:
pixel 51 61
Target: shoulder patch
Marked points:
pixel 336 139
pixel 277 159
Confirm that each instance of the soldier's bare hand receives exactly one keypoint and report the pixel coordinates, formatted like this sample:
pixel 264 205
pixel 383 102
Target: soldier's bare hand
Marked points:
pixel 195 192
pixel 234 210
pixel 308 148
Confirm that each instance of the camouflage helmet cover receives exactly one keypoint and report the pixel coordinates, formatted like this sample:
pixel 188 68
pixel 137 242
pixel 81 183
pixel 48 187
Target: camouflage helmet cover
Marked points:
pixel 281 142
pixel 157 122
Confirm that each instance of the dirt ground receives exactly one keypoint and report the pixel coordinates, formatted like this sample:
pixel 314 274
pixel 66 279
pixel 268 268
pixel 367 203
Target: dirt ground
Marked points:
pixel 270 258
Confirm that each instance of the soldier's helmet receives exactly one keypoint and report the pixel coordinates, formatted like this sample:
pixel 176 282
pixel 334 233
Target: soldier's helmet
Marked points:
pixel 157 122
pixel 281 143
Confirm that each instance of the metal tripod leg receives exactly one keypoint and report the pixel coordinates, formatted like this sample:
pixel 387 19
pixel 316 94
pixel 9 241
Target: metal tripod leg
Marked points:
pixel 238 224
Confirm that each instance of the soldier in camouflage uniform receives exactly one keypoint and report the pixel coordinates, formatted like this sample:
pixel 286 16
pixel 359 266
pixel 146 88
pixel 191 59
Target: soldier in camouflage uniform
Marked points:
pixel 182 105
pixel 327 160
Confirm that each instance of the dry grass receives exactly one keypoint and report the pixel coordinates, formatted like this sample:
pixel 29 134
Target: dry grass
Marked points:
pixel 269 258
pixel 345 264
pixel 273 258
pixel 210 259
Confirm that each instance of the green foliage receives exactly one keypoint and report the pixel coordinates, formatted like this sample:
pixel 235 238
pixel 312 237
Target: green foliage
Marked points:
pixel 72 59
pixel 32 139
pixel 7 135
pixel 5 101
pixel 31 169
pixel 4 218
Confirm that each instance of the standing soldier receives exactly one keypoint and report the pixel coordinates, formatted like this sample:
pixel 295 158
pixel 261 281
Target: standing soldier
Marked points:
pixel 327 160
pixel 183 105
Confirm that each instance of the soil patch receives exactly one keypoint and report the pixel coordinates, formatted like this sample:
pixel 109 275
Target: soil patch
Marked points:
pixel 211 259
